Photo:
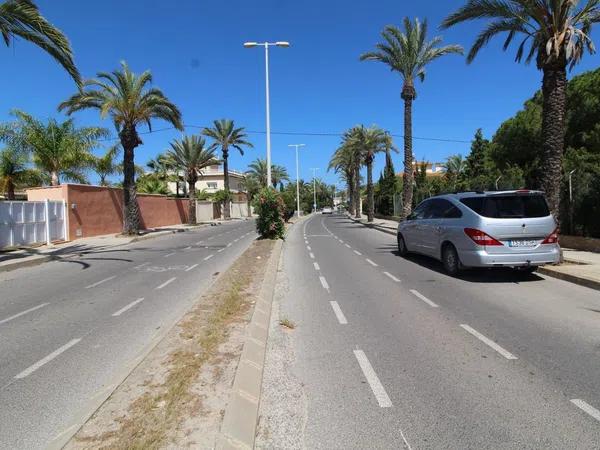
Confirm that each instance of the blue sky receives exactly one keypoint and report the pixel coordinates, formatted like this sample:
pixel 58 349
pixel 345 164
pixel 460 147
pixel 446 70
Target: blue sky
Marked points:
pixel 194 50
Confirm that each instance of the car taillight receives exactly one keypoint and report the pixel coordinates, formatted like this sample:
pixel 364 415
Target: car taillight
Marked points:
pixel 552 238
pixel 481 238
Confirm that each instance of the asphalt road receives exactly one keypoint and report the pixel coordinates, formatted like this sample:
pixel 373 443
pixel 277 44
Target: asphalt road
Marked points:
pixel 393 353
pixel 71 329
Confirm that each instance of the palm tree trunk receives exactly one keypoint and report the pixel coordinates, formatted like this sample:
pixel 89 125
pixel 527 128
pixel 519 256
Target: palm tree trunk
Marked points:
pixel 192 198
pixel 226 211
pixel 350 180
pixel 131 212
pixel 10 190
pixel 554 87
pixel 408 95
pixel 370 193
pixel 54 180
pixel 357 211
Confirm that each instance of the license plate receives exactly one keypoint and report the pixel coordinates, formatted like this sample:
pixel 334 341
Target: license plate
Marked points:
pixel 522 243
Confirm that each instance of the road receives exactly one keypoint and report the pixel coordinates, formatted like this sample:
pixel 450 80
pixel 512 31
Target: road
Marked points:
pixel 71 329
pixel 393 353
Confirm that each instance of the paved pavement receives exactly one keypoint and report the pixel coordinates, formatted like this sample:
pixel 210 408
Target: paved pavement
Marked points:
pixel 71 329
pixel 392 353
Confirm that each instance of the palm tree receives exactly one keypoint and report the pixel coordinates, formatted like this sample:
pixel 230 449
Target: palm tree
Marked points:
pixel 59 150
pixel 227 136
pixel 14 171
pixel 191 155
pixel 558 33
pixel 258 169
pixel 22 19
pixel 455 166
pixel 342 162
pixel 127 99
pixel 409 53
pixel 150 184
pixel 106 165
pixel 252 186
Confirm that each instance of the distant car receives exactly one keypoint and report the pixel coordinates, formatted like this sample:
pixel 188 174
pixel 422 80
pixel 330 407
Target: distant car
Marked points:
pixel 483 229
pixel 327 210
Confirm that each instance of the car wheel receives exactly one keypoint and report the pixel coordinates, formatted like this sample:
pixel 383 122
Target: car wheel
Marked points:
pixel 402 250
pixel 450 260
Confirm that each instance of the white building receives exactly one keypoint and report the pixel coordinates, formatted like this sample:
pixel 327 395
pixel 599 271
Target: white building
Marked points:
pixel 212 180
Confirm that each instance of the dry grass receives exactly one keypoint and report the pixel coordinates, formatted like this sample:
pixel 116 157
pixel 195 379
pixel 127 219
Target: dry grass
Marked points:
pixel 285 322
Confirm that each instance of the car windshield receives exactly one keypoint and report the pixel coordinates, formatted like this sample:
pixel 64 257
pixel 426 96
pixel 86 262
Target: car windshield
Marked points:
pixel 512 206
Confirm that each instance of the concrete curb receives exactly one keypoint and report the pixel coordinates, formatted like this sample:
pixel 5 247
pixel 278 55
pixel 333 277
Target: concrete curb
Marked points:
pixel 238 430
pixel 27 262
pixel 374 226
pixel 586 282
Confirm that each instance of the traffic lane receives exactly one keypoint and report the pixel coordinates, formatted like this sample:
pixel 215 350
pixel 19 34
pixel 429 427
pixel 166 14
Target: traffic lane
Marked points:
pixel 551 323
pixel 28 337
pixel 340 408
pixel 46 406
pixel 439 374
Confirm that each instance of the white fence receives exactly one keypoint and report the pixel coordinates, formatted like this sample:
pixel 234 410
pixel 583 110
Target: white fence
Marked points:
pixel 26 223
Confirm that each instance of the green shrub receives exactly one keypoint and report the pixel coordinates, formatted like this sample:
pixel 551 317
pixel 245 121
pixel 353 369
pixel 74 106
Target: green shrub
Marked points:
pixel 270 209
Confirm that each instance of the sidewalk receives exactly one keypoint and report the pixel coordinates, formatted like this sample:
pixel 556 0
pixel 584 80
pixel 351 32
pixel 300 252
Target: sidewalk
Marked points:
pixel 579 267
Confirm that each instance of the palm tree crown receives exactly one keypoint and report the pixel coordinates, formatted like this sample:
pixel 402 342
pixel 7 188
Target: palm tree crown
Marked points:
pixel 258 169
pixel 22 18
pixel 107 165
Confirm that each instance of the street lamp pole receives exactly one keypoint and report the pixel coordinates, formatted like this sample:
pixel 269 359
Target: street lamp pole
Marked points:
pixel 314 169
pixel 297 177
pixel 571 199
pixel 266 45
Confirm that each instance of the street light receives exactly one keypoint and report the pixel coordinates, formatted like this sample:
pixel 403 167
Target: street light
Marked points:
pixel 571 199
pixel 266 45
pixel 297 176
pixel 314 170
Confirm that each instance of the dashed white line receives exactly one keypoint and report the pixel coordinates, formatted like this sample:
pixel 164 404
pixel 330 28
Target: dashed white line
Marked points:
pixel 341 242
pixel 586 407
pixel 98 283
pixel 389 275
pixel 425 299
pixel 169 281
pixel 358 253
pixel 208 257
pixel 314 264
pixel 169 254
pixel 210 238
pixel 308 248
pixel 129 306
pixel 489 342
pixel 378 390
pixel 312 256
pixel 220 250
pixel 324 283
pixel 347 245
pixel 338 313
pixel 22 313
pixel 47 359
pixel 191 267
pixel 372 263
pixel 199 242
pixel 188 247
pixel 141 265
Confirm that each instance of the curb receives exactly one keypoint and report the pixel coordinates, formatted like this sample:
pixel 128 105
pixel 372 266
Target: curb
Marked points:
pixel 372 225
pixel 586 282
pixel 36 261
pixel 238 430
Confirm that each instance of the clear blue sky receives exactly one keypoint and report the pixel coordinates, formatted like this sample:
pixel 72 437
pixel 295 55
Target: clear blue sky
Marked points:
pixel 194 50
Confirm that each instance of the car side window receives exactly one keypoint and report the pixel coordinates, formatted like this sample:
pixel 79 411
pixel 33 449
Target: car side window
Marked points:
pixel 421 210
pixel 449 211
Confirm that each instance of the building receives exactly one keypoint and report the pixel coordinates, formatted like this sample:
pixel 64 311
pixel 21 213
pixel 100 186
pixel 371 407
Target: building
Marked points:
pixel 435 169
pixel 212 180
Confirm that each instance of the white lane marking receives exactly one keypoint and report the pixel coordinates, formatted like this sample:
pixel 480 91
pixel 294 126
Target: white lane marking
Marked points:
pixel 235 240
pixel 188 248
pixel 169 281
pixel 212 237
pixel 229 245
pixel 425 299
pixel 191 267
pixel 587 408
pixel 489 342
pixel 208 257
pixel 312 256
pixel 199 242
pixel 358 253
pixel 373 380
pixel 220 250
pixel 131 305
pixel 169 254
pixel 389 275
pixel 324 283
pixel 308 248
pixel 338 313
pixel 341 242
pixel 141 265
pixel 98 283
pixel 347 245
pixel 334 236
pixel 314 264
pixel 372 263
pixel 22 313
pixel 47 359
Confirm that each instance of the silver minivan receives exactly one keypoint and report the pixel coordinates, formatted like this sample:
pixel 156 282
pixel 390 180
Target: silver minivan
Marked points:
pixel 483 229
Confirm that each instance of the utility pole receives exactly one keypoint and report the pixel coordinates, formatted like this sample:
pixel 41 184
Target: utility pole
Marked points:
pixel 297 177
pixel 314 169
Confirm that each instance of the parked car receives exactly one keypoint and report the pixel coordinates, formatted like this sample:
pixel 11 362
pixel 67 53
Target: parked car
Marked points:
pixel 483 229
pixel 327 210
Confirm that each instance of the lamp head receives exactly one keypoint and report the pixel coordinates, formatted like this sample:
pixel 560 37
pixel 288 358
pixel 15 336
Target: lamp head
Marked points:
pixel 250 44
pixel 282 44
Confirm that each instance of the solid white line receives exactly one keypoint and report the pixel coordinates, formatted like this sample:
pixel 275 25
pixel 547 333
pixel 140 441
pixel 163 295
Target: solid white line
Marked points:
pixel 22 313
pixel 100 282
pixel 587 408
pixel 347 245
pixel 170 280
pixel 324 283
pixel 489 342
pixel 169 254
pixel 358 253
pixel 47 359
pixel 425 299
pixel 373 380
pixel 338 313
pixel 389 275
pixel 131 305
pixel 371 262
pixel 314 264
pixel 191 267
pixel 308 248
pixel 208 257
pixel 312 256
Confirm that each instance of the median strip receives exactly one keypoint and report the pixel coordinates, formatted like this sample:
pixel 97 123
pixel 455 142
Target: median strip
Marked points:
pixel 489 342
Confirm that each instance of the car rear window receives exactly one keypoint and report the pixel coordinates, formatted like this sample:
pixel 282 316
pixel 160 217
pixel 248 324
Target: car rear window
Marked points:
pixel 508 206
